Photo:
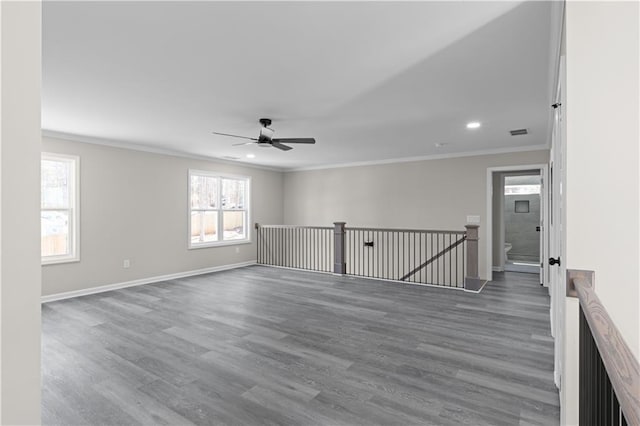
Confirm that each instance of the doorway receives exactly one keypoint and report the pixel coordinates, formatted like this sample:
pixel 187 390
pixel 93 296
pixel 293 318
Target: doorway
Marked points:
pixel 522 184
pixel 521 222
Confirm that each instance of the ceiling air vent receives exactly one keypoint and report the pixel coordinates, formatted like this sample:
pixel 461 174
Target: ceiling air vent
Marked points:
pixel 518 132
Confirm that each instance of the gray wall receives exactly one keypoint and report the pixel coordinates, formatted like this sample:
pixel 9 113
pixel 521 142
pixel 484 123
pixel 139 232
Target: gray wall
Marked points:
pixel 520 228
pixel 133 205
pixel 432 194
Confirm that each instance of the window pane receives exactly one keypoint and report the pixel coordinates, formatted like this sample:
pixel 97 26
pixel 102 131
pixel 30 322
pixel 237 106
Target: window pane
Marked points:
pixel 55 183
pixel 233 193
pixel 204 226
pixel 54 233
pixel 204 192
pixel 521 189
pixel 234 226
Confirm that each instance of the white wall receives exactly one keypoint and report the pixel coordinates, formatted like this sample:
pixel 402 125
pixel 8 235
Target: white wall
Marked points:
pixel 602 186
pixel 602 154
pixel 431 194
pixel 133 205
pixel 20 221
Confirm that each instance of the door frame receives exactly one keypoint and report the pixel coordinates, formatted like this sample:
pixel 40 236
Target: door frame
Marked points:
pixel 544 214
pixel 558 157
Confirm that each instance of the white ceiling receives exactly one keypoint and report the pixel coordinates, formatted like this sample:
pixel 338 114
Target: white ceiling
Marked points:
pixel 371 81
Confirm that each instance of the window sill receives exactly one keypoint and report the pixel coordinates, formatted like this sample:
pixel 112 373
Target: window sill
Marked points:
pixel 196 246
pixel 59 260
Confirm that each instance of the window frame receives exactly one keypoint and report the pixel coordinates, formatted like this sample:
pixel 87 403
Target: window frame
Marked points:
pixel 219 210
pixel 73 209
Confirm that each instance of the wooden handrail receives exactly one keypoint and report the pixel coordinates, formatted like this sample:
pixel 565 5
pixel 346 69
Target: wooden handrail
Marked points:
pixel 622 367
pixel 258 225
pixel 350 228
pixel 415 231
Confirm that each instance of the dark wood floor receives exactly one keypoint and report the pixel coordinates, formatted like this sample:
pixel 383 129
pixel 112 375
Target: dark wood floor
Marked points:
pixel 261 345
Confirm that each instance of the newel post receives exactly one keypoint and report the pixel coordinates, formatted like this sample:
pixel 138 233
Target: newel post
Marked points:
pixel 339 264
pixel 472 278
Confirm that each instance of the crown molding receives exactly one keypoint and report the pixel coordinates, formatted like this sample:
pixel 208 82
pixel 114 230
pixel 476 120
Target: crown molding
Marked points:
pixel 146 148
pixel 423 158
pixel 163 151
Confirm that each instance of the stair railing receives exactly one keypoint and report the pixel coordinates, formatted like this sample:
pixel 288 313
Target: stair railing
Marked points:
pixel 609 373
pixel 432 257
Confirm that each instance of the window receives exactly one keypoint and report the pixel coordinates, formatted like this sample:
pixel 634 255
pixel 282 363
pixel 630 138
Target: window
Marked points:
pixel 59 208
pixel 521 189
pixel 218 209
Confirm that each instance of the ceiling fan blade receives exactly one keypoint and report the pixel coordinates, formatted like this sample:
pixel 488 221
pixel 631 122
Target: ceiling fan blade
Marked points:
pixel 234 136
pixel 280 146
pixel 244 143
pixel 295 140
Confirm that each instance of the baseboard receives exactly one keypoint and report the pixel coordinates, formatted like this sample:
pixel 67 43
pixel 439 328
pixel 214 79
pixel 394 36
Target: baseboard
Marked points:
pixel 498 269
pixel 366 278
pixel 142 281
pixel 474 285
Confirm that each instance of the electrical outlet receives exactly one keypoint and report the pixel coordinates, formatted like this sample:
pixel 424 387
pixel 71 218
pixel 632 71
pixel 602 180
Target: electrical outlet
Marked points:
pixel 126 263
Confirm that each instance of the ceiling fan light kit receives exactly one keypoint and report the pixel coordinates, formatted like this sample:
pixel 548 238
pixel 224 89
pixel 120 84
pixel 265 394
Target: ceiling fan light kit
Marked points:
pixel 266 139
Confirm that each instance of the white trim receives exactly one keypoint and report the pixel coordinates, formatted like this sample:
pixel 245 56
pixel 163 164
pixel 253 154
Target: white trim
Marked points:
pixel 305 270
pixel 198 246
pixel 424 158
pixel 489 201
pixel 497 269
pixel 351 277
pixel 164 151
pixel 147 148
pixel 478 290
pixel 555 51
pixel 56 260
pixel 74 210
pixel 247 209
pixel 557 25
pixel 142 281
pixel 444 287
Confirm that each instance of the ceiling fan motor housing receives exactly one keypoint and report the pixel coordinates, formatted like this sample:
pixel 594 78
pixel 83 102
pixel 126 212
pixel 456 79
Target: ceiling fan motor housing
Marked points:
pixel 265 135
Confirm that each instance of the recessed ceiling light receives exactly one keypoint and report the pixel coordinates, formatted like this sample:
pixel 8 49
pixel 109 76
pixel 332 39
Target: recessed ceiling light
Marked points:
pixel 440 144
pixel 251 156
pixel 473 125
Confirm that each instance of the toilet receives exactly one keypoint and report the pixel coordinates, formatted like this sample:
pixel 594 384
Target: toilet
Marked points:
pixel 507 247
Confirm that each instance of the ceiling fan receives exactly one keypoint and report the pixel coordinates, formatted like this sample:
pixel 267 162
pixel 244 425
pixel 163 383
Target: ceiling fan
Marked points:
pixel 266 138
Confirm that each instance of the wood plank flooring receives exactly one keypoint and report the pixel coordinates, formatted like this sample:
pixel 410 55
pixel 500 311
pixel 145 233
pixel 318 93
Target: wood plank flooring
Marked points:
pixel 262 345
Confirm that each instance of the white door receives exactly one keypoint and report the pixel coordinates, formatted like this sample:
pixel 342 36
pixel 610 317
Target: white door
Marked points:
pixel 557 271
